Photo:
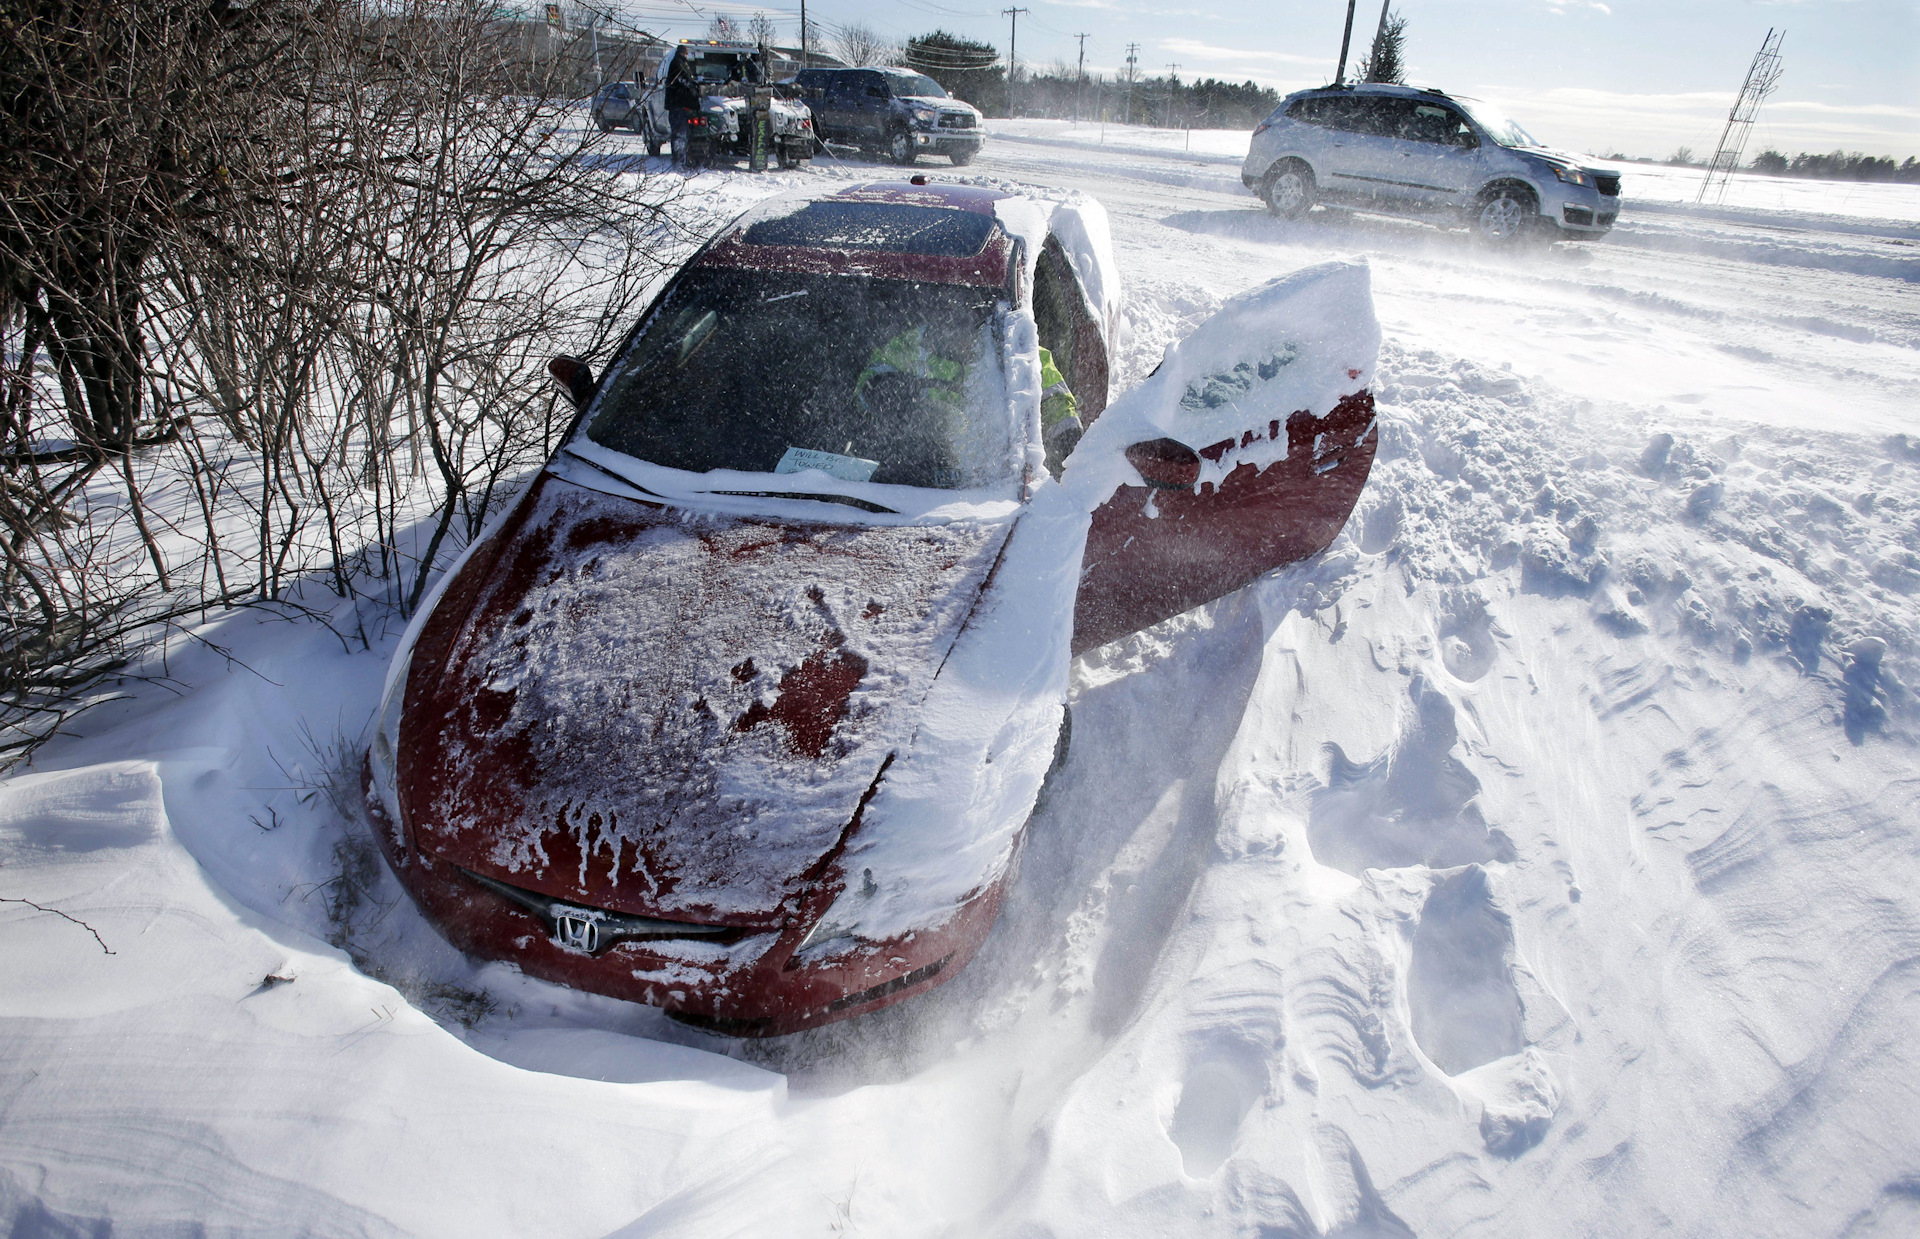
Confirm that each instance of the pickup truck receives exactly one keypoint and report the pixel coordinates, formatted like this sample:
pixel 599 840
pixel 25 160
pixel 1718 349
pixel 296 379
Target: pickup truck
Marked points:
pixel 896 113
pixel 731 88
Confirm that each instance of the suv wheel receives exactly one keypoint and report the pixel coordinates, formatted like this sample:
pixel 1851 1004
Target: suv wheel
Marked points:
pixel 900 148
pixel 1290 189
pixel 1504 215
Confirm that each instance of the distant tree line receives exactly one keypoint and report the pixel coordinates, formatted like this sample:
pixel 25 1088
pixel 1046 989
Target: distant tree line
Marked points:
pixel 974 71
pixel 1837 166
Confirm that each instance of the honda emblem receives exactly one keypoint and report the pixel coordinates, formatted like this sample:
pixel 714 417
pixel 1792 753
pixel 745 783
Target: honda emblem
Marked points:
pixel 576 933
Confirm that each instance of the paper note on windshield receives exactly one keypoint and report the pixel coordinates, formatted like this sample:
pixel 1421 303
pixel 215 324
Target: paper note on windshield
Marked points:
pixel 846 468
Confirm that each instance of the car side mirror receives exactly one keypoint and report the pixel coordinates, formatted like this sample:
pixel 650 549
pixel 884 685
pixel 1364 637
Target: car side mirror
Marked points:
pixel 574 378
pixel 1165 464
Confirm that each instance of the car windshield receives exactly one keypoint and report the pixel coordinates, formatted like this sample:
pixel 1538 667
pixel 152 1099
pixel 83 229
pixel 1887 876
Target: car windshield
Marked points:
pixel 915 84
pixel 865 379
pixel 1499 126
pixel 722 68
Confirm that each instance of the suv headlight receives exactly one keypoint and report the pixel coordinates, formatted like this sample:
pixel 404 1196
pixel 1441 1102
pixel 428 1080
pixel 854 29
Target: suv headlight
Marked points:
pixel 925 116
pixel 1573 176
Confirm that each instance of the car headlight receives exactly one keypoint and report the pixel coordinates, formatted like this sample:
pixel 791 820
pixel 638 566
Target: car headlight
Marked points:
pixel 925 116
pixel 1572 176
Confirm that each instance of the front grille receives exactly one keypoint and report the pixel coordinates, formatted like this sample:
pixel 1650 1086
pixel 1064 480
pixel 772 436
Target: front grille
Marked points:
pixel 1605 218
pixel 590 931
pixel 1609 186
pixel 1578 215
pixel 956 120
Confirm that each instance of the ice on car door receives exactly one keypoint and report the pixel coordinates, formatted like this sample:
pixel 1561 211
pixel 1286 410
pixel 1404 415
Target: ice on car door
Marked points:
pixel 1244 452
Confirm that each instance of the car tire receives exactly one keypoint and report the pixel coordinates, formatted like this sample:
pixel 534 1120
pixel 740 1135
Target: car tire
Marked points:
pixel 1289 190
pixel 655 146
pixel 961 158
pixel 900 148
pixel 606 126
pixel 1504 216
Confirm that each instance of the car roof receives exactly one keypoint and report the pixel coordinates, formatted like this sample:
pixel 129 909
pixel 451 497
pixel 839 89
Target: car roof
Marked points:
pixel 1374 88
pixel 989 267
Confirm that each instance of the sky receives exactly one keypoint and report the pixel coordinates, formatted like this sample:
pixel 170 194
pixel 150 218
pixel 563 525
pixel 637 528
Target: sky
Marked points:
pixel 1642 77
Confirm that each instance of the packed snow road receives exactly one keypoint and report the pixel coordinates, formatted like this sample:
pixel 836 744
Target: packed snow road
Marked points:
pixel 1539 860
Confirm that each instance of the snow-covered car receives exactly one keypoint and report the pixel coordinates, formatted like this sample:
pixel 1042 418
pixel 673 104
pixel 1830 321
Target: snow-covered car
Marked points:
pixel 1404 151
pixel 733 87
pixel 742 709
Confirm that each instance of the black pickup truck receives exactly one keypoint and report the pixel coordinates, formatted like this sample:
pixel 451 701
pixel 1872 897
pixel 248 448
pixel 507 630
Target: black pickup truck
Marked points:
pixel 892 112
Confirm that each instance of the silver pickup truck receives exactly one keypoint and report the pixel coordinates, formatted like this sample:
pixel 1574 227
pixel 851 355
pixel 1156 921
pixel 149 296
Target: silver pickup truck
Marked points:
pixel 733 87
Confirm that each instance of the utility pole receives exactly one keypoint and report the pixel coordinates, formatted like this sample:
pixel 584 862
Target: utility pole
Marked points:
pixel 1013 59
pixel 1080 79
pixel 1173 84
pixel 1340 74
pixel 1133 58
pixel 806 60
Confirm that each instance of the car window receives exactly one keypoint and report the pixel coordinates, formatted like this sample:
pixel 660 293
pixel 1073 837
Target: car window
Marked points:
pixel 1353 113
pixel 747 369
pixel 915 85
pixel 895 227
pixel 1318 110
pixel 1383 116
pixel 1430 122
pixel 1500 127
pixel 844 88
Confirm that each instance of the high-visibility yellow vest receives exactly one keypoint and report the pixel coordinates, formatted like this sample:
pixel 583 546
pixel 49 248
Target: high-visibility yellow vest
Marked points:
pixel 1056 398
pixel 908 354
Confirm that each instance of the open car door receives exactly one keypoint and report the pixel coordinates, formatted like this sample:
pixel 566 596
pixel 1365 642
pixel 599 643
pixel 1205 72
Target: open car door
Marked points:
pixel 1245 451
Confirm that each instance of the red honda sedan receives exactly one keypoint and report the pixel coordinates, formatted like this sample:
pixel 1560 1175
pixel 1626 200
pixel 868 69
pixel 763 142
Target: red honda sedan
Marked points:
pixel 742 709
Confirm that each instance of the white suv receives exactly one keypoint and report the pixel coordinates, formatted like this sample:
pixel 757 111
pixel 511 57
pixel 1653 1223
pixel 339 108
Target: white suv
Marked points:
pixel 1402 151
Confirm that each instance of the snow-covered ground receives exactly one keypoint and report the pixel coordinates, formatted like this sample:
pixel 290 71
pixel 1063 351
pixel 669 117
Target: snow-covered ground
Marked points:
pixel 1644 184
pixel 1544 859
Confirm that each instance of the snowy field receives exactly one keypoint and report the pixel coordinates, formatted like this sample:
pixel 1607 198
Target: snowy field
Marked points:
pixel 1543 859
pixel 1644 184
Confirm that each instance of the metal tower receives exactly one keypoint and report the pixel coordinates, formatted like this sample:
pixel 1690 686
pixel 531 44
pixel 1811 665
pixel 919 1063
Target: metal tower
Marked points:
pixel 1762 76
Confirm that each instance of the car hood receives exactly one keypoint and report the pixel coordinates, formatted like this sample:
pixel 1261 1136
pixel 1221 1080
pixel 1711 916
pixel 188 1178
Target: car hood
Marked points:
pixel 670 714
pixel 945 105
pixel 1555 158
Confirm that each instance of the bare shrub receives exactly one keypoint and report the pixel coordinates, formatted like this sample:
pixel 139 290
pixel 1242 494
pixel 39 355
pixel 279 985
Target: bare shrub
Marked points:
pixel 860 46
pixel 300 327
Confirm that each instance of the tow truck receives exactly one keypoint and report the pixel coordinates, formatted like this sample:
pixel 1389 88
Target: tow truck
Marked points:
pixel 742 115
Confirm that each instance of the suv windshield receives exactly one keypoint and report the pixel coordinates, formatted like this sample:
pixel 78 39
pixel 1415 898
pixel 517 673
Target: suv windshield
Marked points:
pixel 891 381
pixel 915 84
pixel 1499 126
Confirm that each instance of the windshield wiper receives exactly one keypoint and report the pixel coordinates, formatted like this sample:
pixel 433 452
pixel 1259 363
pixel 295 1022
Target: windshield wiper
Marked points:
pixel 849 500
pixel 594 464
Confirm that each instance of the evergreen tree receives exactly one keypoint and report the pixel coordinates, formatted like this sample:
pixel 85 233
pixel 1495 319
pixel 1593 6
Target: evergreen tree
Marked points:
pixel 969 70
pixel 1387 61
